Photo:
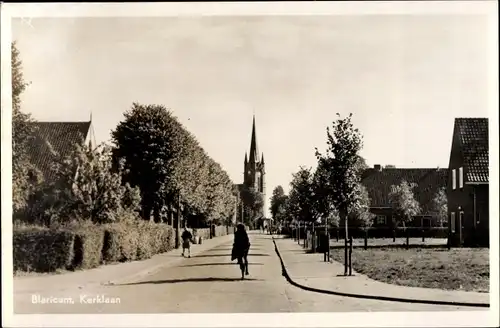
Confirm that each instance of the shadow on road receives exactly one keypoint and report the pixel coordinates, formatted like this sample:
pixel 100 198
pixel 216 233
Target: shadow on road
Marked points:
pixel 230 249
pixel 175 281
pixel 229 255
pixel 210 264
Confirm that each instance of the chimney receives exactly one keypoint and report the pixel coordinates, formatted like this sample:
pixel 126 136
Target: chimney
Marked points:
pixel 377 167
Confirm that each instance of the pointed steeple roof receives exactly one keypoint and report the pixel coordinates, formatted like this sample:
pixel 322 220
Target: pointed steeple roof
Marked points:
pixel 254 151
pixel 246 158
pixel 262 158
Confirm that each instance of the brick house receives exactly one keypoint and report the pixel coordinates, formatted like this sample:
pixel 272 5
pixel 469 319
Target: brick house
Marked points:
pixel 468 183
pixel 378 182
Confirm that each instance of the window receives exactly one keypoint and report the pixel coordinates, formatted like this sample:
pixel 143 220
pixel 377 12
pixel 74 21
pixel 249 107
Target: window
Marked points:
pixel 381 219
pixel 453 179
pixel 461 177
pixel 452 221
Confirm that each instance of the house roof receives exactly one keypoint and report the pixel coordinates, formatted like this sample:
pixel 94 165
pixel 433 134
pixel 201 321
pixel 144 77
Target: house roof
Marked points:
pixel 428 180
pixel 51 138
pixel 473 136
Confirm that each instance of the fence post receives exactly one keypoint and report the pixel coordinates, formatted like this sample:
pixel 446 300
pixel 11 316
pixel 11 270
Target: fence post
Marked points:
pixel 423 235
pixel 366 239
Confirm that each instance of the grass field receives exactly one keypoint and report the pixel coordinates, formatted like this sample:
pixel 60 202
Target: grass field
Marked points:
pixel 464 269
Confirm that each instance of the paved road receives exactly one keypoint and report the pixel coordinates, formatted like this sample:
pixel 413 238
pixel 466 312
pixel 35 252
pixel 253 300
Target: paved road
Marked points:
pixel 210 283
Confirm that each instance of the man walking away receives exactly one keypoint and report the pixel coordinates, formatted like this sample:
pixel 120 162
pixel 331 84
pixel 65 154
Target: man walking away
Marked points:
pixel 186 241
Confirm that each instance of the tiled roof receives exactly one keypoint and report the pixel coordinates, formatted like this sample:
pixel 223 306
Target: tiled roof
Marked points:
pixel 473 136
pixel 429 181
pixel 54 138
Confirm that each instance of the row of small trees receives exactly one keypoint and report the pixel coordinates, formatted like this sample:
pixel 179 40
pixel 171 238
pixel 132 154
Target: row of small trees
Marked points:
pixel 153 166
pixel 333 191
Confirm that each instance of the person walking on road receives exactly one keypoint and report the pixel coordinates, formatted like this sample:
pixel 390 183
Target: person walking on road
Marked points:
pixel 186 241
pixel 241 246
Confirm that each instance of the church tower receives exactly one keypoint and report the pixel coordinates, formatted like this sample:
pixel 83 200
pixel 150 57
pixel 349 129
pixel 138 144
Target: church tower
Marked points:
pixel 254 173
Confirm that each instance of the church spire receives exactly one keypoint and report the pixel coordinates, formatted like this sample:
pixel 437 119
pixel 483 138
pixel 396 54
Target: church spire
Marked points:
pixel 254 151
pixel 246 158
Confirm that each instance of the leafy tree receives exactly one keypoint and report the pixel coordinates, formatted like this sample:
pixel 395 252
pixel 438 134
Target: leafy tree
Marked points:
pixel 85 187
pixel 403 202
pixel 360 166
pixel 24 175
pixel 253 202
pixel 440 206
pixel 167 163
pixel 340 164
pixel 219 194
pixel 278 200
pixel 360 211
pixel 300 198
pixel 153 144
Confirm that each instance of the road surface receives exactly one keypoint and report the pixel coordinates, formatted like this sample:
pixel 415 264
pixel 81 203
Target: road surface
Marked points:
pixel 207 283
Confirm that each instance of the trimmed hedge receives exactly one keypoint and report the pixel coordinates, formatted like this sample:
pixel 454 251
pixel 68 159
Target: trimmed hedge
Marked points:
pixel 85 246
pixel 155 238
pixel 88 245
pixel 121 242
pixel 42 250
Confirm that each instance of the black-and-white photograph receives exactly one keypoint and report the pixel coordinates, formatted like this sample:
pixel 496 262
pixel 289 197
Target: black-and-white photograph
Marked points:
pixel 246 163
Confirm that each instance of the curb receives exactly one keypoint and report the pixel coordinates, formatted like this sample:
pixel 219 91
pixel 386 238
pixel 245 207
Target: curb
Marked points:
pixel 372 297
pixel 155 268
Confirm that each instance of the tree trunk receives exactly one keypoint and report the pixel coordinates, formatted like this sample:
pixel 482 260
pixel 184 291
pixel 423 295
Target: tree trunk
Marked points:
pixel 366 239
pixel 156 214
pixel 405 229
pixel 346 259
pixel 171 216
pixel 178 223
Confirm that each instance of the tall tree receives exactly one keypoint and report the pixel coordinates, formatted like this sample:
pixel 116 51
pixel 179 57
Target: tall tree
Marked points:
pixel 344 143
pixel 403 202
pixel 302 196
pixel 440 206
pixel 24 175
pixel 153 144
pixel 278 200
pixel 252 202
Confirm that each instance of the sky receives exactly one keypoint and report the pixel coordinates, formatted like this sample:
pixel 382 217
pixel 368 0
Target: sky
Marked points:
pixel 404 78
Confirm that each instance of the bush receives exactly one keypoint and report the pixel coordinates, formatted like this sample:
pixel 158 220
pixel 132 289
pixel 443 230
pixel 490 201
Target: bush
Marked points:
pixel 88 246
pixel 42 250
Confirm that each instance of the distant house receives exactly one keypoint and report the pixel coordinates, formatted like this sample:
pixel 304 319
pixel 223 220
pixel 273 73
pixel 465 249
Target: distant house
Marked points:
pixel 468 182
pixel 378 182
pixel 52 138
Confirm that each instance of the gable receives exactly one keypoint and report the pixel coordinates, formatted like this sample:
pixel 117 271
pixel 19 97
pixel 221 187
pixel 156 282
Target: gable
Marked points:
pixel 52 138
pixel 429 181
pixel 473 136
